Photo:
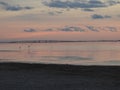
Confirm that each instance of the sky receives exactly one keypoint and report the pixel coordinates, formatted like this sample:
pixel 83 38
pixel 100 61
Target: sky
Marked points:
pixel 59 20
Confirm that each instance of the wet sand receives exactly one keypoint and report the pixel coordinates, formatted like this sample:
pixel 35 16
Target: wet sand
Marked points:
pixel 26 76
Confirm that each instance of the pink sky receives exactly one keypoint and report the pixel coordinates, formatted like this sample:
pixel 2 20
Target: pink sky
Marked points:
pixel 43 21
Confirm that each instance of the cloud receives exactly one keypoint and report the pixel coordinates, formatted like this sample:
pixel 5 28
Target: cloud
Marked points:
pixel 65 29
pixel 51 13
pixel 100 29
pixel 79 3
pixel 113 2
pixel 92 28
pixel 55 13
pixel 83 28
pixel 97 16
pixel 118 15
pixel 72 29
pixel 48 30
pixel 17 8
pixel 3 3
pixel 112 29
pixel 9 7
pixel 87 9
pixel 30 30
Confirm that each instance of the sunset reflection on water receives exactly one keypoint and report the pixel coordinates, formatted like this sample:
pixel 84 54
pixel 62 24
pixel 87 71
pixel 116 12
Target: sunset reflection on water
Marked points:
pixel 80 53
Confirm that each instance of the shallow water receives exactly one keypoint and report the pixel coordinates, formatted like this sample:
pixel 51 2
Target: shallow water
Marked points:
pixel 80 53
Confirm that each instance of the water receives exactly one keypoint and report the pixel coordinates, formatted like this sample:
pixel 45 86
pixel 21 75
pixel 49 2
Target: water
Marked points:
pixel 80 53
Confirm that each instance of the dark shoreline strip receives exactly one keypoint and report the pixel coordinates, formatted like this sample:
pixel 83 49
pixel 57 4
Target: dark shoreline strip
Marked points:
pixel 34 76
pixel 59 67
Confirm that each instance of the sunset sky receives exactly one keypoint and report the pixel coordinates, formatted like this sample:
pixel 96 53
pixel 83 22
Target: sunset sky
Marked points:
pixel 59 20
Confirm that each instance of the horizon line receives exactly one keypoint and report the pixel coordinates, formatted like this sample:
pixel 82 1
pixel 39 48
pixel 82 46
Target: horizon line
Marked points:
pixel 53 41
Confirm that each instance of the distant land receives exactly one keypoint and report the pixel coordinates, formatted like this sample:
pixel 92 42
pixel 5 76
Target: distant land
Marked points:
pixel 57 41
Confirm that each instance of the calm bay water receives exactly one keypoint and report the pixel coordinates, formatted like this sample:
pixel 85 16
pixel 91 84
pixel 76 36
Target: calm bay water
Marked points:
pixel 80 53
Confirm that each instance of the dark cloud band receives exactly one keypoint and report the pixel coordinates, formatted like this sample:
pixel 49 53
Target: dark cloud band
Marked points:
pixel 30 30
pixel 97 16
pixel 84 28
pixel 79 3
pixel 9 7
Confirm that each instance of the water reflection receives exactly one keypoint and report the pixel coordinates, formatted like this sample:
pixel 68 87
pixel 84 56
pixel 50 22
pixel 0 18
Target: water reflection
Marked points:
pixel 68 53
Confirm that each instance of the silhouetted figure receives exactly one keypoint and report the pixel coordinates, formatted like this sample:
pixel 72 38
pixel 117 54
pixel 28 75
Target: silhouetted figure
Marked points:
pixel 28 48
pixel 19 48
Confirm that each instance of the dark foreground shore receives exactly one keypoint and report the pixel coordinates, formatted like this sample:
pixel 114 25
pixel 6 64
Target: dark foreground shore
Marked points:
pixel 24 76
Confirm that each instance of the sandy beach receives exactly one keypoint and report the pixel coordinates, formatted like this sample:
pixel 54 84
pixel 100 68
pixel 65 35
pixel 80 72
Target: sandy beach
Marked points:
pixel 24 76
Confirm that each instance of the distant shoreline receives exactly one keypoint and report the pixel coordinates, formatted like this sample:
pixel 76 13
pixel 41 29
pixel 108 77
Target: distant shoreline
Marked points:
pixel 58 41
